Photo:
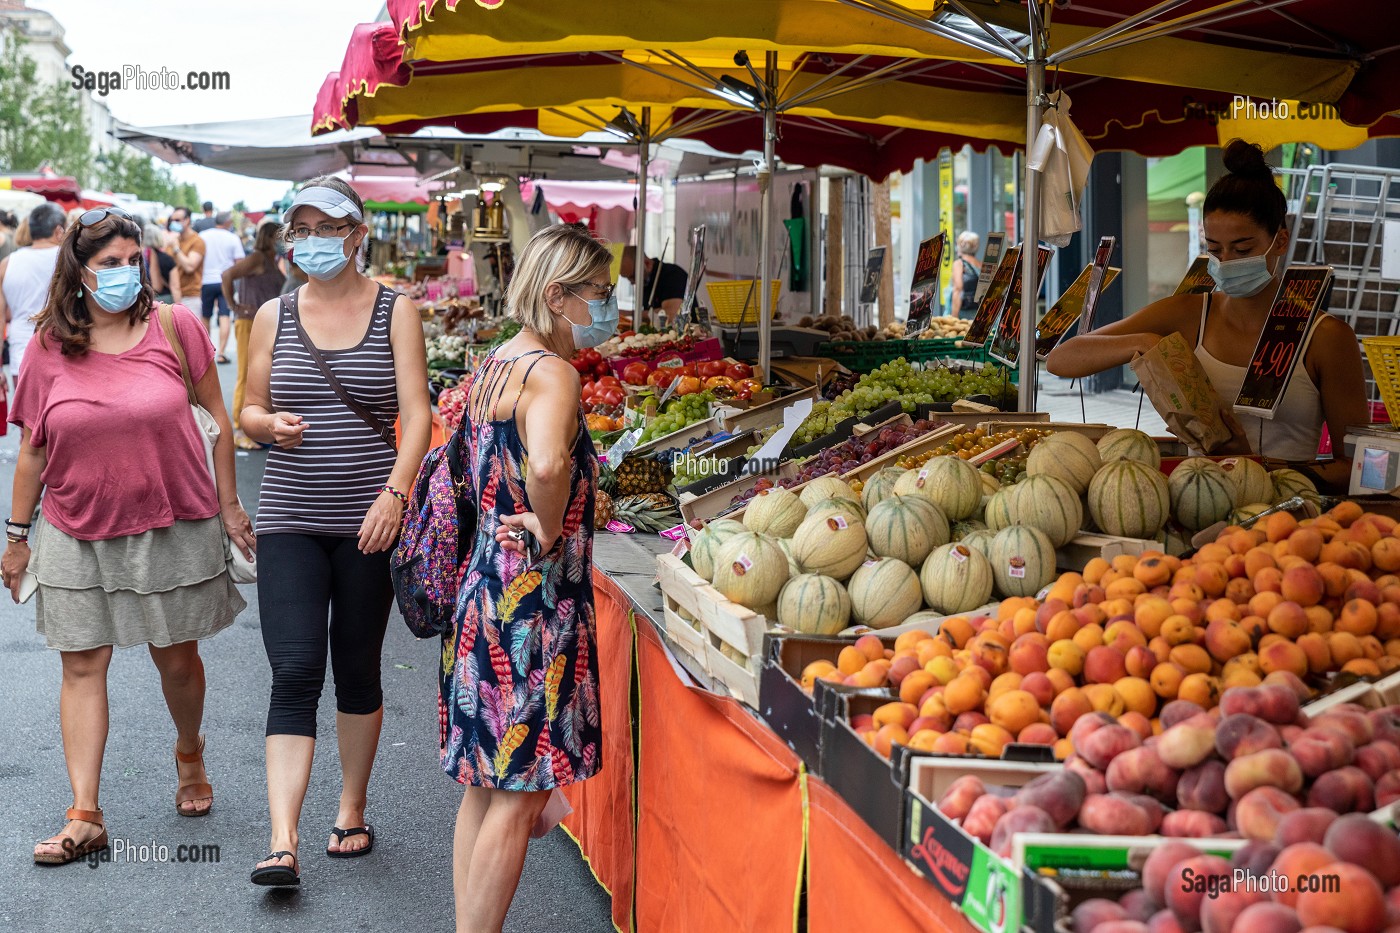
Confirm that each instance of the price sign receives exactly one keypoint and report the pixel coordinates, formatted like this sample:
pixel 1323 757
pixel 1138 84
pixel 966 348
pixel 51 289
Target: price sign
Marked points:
pixel 1097 281
pixel 624 444
pixel 670 390
pixel 995 297
pixel 1062 315
pixel 1197 280
pixel 1007 345
pixel 923 294
pixel 991 256
pixel 1284 339
pixel 870 285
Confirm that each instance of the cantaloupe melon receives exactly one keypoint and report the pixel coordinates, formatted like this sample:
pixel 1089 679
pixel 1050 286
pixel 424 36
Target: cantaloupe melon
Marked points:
pixel 1290 483
pixel 1050 504
pixel 832 545
pixel 1245 512
pixel 1130 444
pixel 826 487
pixel 951 483
pixel 906 528
pixel 990 484
pixel 929 619
pixel 1201 493
pixel 1250 479
pixel 1130 499
pixel 776 511
pixel 814 605
pixel 956 578
pixel 786 544
pixel 884 592
pixel 1068 456
pixel 880 486
pixel 1023 561
pixel 980 541
pixel 708 542
pixel 750 569
pixel 837 506
pixel 962 529
pixel 999 511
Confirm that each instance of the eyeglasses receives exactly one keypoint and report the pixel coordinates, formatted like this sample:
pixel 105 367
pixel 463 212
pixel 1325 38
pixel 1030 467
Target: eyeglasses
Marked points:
pixel 601 291
pixel 99 214
pixel 320 230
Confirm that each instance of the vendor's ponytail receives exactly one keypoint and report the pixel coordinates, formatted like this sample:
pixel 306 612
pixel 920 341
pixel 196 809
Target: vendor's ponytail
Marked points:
pixel 1249 187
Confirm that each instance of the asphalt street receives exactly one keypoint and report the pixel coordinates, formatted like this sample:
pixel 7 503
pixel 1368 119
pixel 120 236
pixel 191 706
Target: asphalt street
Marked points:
pixel 404 885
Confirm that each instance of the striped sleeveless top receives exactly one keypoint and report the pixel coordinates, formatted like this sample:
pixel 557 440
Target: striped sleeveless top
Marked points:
pixel 326 484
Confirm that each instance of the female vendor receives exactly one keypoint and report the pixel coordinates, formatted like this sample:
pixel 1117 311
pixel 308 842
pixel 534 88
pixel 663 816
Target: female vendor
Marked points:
pixel 1248 242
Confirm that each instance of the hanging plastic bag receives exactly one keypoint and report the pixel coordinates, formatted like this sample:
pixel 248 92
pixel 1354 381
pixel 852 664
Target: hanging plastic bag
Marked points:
pixel 552 815
pixel 1062 157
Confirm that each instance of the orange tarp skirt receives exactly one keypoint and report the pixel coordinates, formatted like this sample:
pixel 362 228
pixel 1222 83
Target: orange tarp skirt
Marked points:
pixel 719 833
pixel 604 814
pixel 841 851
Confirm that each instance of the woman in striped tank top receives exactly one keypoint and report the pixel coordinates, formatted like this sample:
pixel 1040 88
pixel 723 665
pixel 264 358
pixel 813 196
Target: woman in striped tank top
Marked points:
pixel 331 504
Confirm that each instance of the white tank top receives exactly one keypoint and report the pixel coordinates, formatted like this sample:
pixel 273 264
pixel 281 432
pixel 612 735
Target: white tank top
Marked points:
pixel 1296 429
pixel 26 286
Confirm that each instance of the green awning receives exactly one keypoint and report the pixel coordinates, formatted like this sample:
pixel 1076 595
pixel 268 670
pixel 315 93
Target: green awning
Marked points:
pixel 1170 180
pixel 396 207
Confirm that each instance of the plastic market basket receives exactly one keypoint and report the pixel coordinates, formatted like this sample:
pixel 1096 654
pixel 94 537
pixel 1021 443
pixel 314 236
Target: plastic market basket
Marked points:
pixel 1383 353
pixel 731 302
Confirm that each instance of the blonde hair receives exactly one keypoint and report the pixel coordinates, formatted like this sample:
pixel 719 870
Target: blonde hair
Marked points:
pixel 566 254
pixel 968 242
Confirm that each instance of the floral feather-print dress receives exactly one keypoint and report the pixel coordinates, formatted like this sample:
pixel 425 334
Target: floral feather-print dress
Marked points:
pixel 519 689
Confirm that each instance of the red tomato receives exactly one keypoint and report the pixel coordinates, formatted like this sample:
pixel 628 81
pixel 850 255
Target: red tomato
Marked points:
pixel 750 385
pixel 661 377
pixel 688 369
pixel 635 374
pixel 710 369
pixel 689 385
pixel 610 380
pixel 579 364
pixel 716 381
pixel 610 396
pixel 739 371
pixel 592 356
pixel 742 394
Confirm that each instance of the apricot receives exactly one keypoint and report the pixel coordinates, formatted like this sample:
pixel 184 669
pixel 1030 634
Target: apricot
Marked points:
pixel 866 678
pixel 1344 647
pixel 1094 570
pixel 957 629
pixel 1357 617
pixel 1344 513
pixel 1066 655
pixel 1104 665
pixel 1283 656
pixel 1124 635
pixel 1060 679
pixel 816 669
pixel 1256 561
pixel 1288 619
pixel 1178 630
pixel 915 685
pixel 1201 689
pixel 1137 694
pixel 1211 578
pixel 1263 602
pixel 1067 708
pixel 1105 699
pixel 1224 640
pixel 989 739
pixel 963 693
pixel 1139 662
pixel 1013 710
pixel 1279 526
pixel 1088 637
pixel 1038 733
pixel 1062 625
pixel 1305 543
pixel 1319 619
pixel 950 743
pixel 1193 659
pixel 1166 680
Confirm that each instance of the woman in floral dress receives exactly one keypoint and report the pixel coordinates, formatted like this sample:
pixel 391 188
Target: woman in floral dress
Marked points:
pixel 519 709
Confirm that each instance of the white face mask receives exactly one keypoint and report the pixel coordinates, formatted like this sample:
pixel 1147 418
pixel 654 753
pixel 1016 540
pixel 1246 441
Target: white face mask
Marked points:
pixel 1245 277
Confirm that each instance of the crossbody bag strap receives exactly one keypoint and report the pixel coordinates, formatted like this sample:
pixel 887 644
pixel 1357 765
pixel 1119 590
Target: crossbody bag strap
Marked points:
pixel 167 324
pixel 385 432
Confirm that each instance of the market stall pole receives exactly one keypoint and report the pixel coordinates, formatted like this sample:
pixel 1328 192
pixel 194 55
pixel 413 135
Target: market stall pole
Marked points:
pixel 1030 256
pixel 639 272
pixel 765 184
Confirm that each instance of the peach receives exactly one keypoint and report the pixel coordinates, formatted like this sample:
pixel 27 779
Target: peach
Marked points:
pixel 1225 639
pixel 968 721
pixel 1355 724
pixel 1272 767
pixel 1302 858
pixel 1219 913
pixel 1378 759
pixel 1102 745
pixel 1358 907
pixel 1203 787
pixel 1139 661
pixel 1068 708
pixel 1141 770
pixel 1021 819
pixel 1059 794
pixel 1096 911
pixel 1153 807
pixel 1179 711
pixel 901 667
pixel 1292 681
pixel 1257 813
pixel 1358 839
pixel 1157 869
pixel 1196 824
pixel 982 816
pixel 1114 815
pixel 1164 921
pixel 1189 881
pixel 1273 704
pixel 1255 856
pixel 1320 749
pixel 1385 724
pixel 1093 778
pixel 1309 824
pixel 1267 916
pixel 1104 665
pixel 1188 743
pixel 1241 734
pixel 1345 790
pixel 1138 905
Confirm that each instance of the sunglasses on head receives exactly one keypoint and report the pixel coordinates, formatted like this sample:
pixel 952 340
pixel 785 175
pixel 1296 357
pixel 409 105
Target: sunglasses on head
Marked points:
pixel 99 214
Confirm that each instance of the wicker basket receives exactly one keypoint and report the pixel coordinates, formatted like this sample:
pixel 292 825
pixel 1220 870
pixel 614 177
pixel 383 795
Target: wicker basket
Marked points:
pixel 739 301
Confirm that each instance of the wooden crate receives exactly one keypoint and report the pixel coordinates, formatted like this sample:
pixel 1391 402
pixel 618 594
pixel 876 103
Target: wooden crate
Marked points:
pixel 731 624
pixel 1086 546
pixel 1091 431
pixel 680 591
pixel 761 416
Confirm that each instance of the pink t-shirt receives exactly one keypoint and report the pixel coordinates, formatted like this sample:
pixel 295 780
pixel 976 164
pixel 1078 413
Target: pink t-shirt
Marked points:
pixel 124 455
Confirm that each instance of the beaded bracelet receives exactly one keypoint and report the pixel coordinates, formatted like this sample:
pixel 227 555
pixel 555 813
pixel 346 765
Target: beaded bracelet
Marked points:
pixel 403 499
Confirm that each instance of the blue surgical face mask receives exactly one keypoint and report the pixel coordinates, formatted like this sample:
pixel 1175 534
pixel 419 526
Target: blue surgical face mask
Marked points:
pixel 116 288
pixel 1242 278
pixel 321 257
pixel 176 226
pixel 603 314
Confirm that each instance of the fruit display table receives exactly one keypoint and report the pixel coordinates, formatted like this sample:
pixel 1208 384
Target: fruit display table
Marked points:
pixel 702 818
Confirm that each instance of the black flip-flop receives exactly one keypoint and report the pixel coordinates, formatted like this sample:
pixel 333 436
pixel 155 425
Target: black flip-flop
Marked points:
pixel 222 360
pixel 277 875
pixel 342 834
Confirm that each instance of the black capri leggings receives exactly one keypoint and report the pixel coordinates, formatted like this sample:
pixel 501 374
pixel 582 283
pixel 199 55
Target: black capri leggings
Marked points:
pixel 300 578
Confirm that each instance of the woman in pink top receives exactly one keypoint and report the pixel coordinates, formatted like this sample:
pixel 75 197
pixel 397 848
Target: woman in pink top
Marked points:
pixel 129 547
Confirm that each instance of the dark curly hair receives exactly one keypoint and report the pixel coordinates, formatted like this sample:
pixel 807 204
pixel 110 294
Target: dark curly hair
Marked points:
pixel 65 316
pixel 1249 188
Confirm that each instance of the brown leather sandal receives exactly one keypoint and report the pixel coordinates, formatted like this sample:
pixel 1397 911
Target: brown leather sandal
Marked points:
pixel 72 849
pixel 192 793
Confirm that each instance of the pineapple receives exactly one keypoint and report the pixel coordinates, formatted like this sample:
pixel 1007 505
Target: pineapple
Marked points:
pixel 639 475
pixel 602 510
pixel 651 512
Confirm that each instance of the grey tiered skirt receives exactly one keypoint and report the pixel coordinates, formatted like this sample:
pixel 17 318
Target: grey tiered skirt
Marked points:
pixel 162 587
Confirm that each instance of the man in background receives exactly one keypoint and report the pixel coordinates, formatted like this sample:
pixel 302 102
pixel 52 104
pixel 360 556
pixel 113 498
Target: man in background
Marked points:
pixel 207 221
pixel 188 252
pixel 222 248
pixel 25 276
pixel 663 287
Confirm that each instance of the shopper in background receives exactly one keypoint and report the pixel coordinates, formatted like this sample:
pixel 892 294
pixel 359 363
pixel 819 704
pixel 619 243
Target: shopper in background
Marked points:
pixel 259 281
pixel 188 253
pixel 25 276
pixel 294 277
pixel 159 264
pixel 332 502
pixel 222 248
pixel 518 711
pixel 966 269
pixel 208 221
pixel 8 223
pixel 129 547
pixel 1245 234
